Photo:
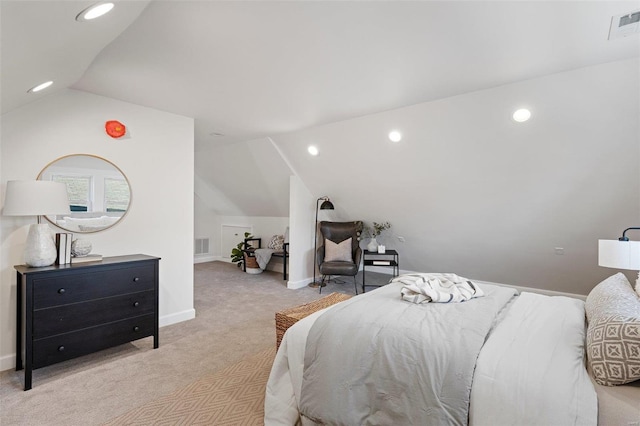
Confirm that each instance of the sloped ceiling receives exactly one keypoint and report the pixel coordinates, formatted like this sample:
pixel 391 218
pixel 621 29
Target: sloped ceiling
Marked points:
pixel 249 70
pixel 41 41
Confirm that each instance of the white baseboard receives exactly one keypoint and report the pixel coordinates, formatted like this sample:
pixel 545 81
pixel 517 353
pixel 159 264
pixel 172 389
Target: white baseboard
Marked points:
pixel 7 362
pixel 205 258
pixel 177 317
pixel 294 285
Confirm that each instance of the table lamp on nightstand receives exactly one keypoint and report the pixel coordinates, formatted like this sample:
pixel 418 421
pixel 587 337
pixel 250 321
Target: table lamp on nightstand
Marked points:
pixel 37 198
pixel 620 254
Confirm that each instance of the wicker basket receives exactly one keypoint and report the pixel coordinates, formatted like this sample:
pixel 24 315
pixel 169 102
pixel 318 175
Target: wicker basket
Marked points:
pixel 288 317
pixel 250 261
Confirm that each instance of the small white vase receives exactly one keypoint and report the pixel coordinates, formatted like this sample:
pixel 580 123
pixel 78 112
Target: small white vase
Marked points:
pixel 373 245
pixel 40 249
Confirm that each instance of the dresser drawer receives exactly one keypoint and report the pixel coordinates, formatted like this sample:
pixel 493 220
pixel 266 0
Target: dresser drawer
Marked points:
pixel 61 289
pixel 61 347
pixel 74 316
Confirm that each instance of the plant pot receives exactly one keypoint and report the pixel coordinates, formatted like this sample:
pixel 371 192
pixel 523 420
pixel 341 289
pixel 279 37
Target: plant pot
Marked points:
pixel 373 245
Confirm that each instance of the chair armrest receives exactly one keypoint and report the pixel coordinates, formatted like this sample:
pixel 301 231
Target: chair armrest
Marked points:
pixel 358 256
pixel 320 255
pixel 246 242
pixel 285 247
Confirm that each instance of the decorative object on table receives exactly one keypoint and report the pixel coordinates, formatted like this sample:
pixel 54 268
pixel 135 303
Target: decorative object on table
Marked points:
pixel 80 247
pixel 237 253
pixel 381 249
pixel 37 198
pixel 115 129
pixel 63 248
pixel 326 205
pixel 621 254
pixel 373 232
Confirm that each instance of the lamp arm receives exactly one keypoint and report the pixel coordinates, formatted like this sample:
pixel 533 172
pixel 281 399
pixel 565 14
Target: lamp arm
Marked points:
pixel 624 237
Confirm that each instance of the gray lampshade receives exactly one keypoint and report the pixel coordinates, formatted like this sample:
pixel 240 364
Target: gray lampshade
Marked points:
pixel 35 198
pixel 619 254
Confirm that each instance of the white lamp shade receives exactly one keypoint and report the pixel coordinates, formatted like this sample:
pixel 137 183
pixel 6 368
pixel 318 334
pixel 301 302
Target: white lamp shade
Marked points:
pixel 35 198
pixel 619 254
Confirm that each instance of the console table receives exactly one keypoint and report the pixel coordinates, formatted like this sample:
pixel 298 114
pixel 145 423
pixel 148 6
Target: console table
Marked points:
pixel 66 311
pixel 388 259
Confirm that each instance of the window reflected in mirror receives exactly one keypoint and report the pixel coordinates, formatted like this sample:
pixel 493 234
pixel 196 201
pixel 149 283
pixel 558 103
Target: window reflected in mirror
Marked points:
pixel 99 193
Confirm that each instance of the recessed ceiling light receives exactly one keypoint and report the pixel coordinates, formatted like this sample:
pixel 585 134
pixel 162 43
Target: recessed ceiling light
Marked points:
pixel 95 11
pixel 395 136
pixel 521 115
pixel 40 87
pixel 312 150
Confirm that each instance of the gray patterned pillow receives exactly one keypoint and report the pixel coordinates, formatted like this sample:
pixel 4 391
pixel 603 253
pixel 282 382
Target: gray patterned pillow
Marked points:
pixel 276 242
pixel 613 334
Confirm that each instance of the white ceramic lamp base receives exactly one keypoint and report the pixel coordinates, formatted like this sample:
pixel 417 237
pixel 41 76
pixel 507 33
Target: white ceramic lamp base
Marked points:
pixel 40 250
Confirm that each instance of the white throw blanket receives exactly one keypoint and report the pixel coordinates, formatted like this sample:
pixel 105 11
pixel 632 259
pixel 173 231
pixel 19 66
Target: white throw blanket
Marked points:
pixel 442 288
pixel 263 256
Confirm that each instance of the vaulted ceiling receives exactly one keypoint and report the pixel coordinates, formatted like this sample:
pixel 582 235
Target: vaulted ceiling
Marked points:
pixel 249 70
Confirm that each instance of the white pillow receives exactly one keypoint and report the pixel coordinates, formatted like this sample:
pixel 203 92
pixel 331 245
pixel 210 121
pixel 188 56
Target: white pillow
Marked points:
pixel 340 252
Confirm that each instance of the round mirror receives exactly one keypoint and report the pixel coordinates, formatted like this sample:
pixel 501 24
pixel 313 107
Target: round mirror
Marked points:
pixel 99 193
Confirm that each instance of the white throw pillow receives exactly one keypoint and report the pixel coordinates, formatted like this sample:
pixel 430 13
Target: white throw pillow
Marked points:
pixel 338 252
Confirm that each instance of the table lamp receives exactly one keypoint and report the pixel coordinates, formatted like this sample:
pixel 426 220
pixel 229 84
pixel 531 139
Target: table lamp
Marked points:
pixel 620 254
pixel 37 198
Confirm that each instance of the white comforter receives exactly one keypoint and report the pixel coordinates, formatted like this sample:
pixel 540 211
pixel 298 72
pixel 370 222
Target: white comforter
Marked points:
pixel 530 371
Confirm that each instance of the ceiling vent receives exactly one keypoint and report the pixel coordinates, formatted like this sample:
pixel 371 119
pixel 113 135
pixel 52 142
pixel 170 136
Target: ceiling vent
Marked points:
pixel 625 25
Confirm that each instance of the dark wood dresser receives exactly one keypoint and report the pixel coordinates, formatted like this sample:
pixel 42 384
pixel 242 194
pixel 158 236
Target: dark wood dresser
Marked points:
pixel 66 311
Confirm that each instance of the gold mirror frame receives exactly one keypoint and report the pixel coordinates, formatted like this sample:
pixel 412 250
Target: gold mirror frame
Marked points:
pixel 105 220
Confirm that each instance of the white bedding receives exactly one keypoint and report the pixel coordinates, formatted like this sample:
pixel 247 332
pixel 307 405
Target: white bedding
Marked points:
pixel 532 373
pixel 533 366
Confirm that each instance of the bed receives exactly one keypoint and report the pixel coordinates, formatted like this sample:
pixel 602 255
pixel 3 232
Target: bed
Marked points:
pixel 502 359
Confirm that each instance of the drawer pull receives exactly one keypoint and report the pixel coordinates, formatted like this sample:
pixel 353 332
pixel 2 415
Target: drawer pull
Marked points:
pixel 136 304
pixel 136 328
pixel 61 291
pixel 61 348
pixel 136 279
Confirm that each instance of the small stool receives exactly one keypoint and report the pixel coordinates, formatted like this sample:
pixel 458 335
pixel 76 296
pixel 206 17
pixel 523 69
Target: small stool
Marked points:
pixel 288 317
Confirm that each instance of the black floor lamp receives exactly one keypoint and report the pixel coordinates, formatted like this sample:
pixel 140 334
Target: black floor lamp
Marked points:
pixel 326 205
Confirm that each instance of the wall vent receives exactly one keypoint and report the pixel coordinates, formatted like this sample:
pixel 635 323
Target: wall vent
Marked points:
pixel 625 25
pixel 201 246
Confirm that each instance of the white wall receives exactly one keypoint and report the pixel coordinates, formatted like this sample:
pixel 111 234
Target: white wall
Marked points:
pixel 475 193
pixel 158 161
pixel 301 220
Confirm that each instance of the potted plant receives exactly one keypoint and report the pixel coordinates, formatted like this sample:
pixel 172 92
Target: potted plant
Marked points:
pixel 237 253
pixel 373 232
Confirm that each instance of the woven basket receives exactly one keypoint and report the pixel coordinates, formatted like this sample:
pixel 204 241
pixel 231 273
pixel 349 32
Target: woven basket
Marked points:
pixel 250 261
pixel 288 317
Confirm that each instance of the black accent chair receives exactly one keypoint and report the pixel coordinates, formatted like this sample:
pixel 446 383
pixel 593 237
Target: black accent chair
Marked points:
pixel 338 232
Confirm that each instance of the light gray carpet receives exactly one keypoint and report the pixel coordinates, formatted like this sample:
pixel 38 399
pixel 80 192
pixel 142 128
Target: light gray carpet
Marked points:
pixel 234 319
